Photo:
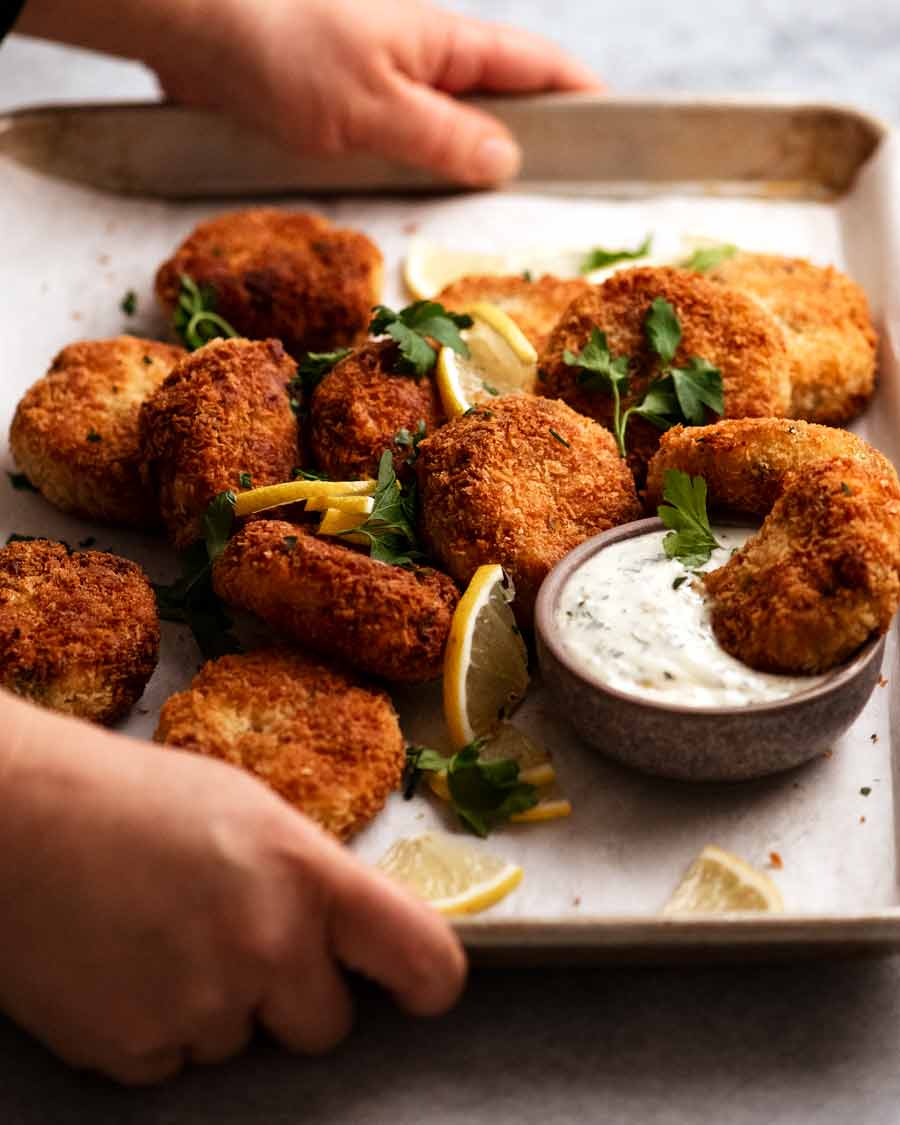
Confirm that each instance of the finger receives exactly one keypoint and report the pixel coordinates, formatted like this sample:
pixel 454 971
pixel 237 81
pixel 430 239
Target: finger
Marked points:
pixel 308 1006
pixel 379 930
pixel 145 1070
pixel 428 129
pixel 222 1040
pixel 495 58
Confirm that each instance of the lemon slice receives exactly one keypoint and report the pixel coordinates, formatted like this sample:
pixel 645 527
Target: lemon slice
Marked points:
pixel 336 522
pixel 273 495
pixel 507 741
pixel 551 808
pixel 485 662
pixel 501 361
pixel 456 878
pixel 355 505
pixel 718 882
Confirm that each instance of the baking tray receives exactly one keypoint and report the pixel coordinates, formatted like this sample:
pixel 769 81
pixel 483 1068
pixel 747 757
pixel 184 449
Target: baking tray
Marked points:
pixel 94 197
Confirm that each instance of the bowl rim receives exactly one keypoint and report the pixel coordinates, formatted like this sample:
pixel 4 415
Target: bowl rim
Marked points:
pixel 550 637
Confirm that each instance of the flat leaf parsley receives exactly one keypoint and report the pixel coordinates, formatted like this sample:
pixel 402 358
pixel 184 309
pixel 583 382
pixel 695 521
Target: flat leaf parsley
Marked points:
pixel 708 258
pixel 413 327
pixel 311 370
pixel 195 319
pixel 690 538
pixel 390 526
pixel 599 258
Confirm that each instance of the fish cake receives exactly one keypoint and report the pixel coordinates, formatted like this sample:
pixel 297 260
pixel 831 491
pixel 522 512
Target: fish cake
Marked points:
pixel 536 306
pixel 327 743
pixel 724 327
pixel 827 326
pixel 387 621
pixel 75 432
pixel 79 633
pixel 358 409
pixel 223 411
pixel 290 275
pixel 519 483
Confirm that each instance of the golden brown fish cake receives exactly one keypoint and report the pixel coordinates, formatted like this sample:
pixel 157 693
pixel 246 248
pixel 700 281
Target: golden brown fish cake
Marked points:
pixel 828 330
pixel 223 411
pixel 536 306
pixel 79 633
pixel 291 275
pixel 327 743
pixel 519 483
pixel 358 409
pixel 722 326
pixel 386 621
pixel 745 461
pixel 821 576
pixel 75 432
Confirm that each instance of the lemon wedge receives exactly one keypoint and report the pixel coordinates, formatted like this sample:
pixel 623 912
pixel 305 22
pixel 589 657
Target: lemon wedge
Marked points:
pixel 485 662
pixel 273 495
pixel 551 808
pixel 507 742
pixel 336 522
pixel 455 878
pixel 501 361
pixel 718 882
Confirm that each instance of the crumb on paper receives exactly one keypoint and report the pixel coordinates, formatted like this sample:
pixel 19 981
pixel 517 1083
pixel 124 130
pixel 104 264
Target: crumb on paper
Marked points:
pixel 828 754
pixel 882 682
pixel 862 820
pixel 103 259
pixel 576 901
pixel 410 228
pixel 873 737
pixel 776 861
pixel 76 315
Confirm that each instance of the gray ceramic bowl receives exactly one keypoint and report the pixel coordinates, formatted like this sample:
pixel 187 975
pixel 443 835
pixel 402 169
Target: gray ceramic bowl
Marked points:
pixel 695 743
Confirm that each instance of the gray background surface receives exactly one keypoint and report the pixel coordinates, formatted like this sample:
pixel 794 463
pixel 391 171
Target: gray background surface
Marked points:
pixel 777 1044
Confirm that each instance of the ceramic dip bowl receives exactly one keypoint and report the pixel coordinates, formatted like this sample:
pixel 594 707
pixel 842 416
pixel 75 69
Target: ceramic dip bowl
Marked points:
pixel 686 742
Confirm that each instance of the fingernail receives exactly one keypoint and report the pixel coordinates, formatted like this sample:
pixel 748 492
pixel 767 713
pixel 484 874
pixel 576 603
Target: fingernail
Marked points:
pixel 496 159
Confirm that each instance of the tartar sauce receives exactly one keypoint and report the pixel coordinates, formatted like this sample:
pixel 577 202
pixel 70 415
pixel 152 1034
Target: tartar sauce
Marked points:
pixel 625 617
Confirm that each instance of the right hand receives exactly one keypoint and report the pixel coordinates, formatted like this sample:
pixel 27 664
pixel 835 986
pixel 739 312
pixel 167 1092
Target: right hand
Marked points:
pixel 158 903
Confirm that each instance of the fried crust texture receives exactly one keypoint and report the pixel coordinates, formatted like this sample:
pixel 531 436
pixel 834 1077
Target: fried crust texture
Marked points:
pixel 359 408
pixel 223 411
pixel 386 621
pixel 519 484
pixel 75 432
pixel 327 743
pixel 290 275
pixel 827 326
pixel 79 633
pixel 724 327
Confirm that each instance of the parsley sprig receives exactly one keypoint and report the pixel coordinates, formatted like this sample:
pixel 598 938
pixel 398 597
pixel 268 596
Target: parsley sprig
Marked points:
pixel 482 794
pixel 676 395
pixel 195 319
pixel 599 258
pixel 311 370
pixel 708 257
pixel 407 439
pixel 390 526
pixel 690 538
pixel 413 327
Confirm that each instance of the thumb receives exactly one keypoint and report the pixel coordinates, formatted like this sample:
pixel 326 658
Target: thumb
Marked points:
pixel 428 129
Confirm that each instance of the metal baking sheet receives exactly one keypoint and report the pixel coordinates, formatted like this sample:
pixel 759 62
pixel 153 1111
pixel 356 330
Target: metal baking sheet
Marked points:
pixel 819 182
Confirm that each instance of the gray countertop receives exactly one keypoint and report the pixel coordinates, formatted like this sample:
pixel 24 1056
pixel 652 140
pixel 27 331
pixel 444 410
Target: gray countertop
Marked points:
pixel 790 1043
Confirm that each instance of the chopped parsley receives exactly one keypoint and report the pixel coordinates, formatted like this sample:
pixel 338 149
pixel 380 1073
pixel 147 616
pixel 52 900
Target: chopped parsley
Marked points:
pixel 310 474
pixel 410 441
pixel 489 388
pixel 415 326
pixel 690 538
pixel 128 304
pixel 195 319
pixel 482 794
pixel 290 542
pixel 245 480
pixel 866 790
pixel 390 526
pixel 708 258
pixel 20 482
pixel 599 258
pixel 559 438
pixel 148 360
pixel 680 580
pixel 93 436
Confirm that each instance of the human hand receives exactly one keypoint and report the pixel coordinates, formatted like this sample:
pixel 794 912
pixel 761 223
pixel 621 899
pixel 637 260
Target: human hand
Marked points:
pixel 334 76
pixel 158 903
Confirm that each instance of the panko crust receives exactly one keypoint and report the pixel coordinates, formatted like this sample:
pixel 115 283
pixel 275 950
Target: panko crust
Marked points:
pixel 536 306
pixel 359 407
pixel 79 633
pixel 223 411
pixel 291 275
pixel 327 743
pixel 496 486
pixel 828 330
pixel 75 432
pixel 386 621
pixel 745 461
pixel 821 576
pixel 729 330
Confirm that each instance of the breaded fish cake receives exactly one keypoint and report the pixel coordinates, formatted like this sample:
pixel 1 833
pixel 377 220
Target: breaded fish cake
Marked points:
pixel 520 484
pixel 79 633
pixel 536 306
pixel 828 330
pixel 75 431
pixel 290 275
pixel 722 326
pixel 326 743
pixel 223 411
pixel 386 621
pixel 745 461
pixel 359 408
pixel 821 576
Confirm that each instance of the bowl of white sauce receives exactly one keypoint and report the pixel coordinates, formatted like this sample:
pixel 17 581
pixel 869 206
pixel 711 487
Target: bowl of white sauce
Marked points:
pixel 625 642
